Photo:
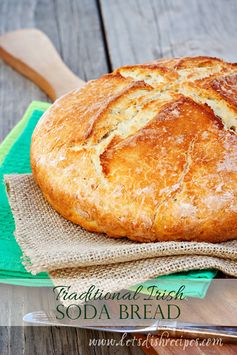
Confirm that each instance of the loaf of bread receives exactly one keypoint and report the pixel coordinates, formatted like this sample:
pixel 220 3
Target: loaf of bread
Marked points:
pixel 148 152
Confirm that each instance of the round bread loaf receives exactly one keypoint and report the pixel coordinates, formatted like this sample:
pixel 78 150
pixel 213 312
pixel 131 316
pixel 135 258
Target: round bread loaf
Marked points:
pixel 148 152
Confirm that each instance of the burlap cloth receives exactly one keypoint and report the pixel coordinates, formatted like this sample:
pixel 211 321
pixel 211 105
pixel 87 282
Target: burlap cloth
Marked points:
pixel 51 243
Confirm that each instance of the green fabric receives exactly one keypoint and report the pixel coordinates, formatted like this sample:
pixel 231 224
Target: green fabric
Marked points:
pixel 14 158
pixel 16 131
pixel 196 283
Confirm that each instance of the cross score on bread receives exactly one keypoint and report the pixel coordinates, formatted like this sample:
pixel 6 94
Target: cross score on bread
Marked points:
pixel 148 152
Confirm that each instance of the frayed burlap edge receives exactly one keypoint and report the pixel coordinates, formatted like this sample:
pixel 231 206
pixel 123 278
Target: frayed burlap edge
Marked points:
pixel 50 243
pixel 112 278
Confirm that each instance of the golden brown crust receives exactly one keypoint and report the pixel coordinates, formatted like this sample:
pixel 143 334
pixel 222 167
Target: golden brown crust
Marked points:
pixel 146 152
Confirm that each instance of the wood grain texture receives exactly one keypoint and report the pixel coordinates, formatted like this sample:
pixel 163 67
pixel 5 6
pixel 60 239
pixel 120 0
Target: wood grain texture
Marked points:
pixel 135 31
pixel 39 340
pixel 159 349
pixel 47 70
pixel 139 31
pixel 73 27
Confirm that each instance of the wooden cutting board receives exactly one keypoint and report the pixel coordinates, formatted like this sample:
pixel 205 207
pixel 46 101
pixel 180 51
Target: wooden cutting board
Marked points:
pixel 227 349
pixel 219 304
pixel 31 53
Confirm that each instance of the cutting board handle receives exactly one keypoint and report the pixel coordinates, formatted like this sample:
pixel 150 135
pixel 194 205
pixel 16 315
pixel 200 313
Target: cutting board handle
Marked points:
pixel 31 53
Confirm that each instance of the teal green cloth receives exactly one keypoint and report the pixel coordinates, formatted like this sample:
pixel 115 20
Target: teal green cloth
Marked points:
pixel 12 137
pixel 15 159
pixel 196 283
